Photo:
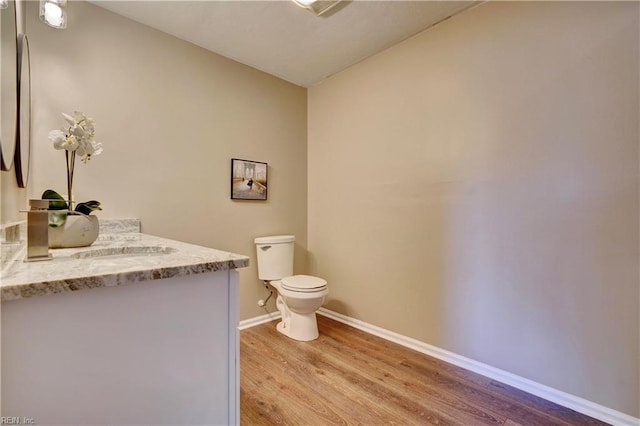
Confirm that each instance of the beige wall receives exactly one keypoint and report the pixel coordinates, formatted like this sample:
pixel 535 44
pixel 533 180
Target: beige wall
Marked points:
pixel 13 198
pixel 170 116
pixel 476 188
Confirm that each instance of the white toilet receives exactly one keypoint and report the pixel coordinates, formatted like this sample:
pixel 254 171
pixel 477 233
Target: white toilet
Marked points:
pixel 299 296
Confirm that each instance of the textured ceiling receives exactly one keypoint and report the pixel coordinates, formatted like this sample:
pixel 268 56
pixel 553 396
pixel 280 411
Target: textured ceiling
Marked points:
pixel 283 39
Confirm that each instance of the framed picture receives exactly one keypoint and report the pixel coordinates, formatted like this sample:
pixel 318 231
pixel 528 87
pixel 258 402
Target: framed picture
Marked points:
pixel 248 180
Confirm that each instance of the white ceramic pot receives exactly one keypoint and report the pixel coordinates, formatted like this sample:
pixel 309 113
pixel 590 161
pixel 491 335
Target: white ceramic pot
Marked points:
pixel 77 231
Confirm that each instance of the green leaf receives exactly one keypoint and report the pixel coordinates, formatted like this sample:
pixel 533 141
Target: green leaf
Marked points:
pixel 57 219
pixel 88 206
pixel 58 204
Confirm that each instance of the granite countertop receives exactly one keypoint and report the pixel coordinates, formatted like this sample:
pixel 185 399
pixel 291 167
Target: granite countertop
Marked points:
pixel 116 258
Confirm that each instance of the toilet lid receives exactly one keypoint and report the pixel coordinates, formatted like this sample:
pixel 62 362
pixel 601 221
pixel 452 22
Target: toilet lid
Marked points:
pixel 305 283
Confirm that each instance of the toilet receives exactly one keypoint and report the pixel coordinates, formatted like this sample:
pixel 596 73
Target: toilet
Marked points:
pixel 299 296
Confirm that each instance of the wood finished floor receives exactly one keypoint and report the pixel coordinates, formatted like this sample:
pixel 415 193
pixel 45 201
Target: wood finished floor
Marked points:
pixel 348 376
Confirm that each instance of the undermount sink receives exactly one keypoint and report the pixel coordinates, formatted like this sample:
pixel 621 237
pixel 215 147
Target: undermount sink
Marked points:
pixel 124 252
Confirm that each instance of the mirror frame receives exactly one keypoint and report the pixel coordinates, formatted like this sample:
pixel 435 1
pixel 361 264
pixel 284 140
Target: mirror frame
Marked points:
pixel 9 82
pixel 23 148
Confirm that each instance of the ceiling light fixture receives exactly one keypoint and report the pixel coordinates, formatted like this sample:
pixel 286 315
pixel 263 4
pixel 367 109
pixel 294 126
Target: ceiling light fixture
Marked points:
pixel 54 13
pixel 317 7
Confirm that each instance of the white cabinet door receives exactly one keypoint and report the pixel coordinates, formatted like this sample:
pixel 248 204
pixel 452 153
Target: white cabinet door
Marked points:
pixel 155 352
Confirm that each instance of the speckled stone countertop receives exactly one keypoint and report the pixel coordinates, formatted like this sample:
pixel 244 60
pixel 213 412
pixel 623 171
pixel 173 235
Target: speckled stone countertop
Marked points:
pixel 118 257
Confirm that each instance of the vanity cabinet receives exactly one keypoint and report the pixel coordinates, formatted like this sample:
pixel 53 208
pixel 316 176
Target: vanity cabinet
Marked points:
pixel 123 341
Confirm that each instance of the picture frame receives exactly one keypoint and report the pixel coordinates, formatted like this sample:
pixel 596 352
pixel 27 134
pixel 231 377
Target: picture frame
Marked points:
pixel 248 179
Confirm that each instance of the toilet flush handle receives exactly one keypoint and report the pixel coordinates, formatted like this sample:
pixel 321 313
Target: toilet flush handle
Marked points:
pixel 265 248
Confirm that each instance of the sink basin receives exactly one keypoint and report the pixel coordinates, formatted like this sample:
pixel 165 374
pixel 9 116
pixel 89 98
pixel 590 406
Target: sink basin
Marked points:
pixel 124 252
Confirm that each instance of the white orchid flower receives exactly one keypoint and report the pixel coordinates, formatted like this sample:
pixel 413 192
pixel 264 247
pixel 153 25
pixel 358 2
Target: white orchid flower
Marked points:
pixel 69 119
pixel 77 131
pixel 58 138
pixel 87 126
pixel 79 116
pixel 97 148
pixel 83 148
pixel 78 137
pixel 61 141
pixel 71 143
pixel 89 149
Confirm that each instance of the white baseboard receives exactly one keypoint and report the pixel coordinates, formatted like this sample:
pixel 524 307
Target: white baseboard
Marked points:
pixel 252 322
pixel 564 399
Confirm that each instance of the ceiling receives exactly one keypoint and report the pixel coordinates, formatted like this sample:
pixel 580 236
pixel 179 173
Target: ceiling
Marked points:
pixel 283 39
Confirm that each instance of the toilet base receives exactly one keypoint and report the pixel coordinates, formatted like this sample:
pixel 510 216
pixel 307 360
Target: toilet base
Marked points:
pixel 299 327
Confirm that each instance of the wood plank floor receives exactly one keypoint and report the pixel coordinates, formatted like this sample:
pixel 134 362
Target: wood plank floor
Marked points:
pixel 348 376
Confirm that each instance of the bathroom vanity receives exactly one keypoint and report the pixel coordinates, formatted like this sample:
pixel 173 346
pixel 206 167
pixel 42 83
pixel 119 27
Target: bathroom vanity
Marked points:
pixel 134 329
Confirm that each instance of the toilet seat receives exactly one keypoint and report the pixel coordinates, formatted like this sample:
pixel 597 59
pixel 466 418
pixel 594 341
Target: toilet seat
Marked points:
pixel 303 284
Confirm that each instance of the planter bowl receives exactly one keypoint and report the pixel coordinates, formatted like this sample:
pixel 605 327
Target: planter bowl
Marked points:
pixel 77 231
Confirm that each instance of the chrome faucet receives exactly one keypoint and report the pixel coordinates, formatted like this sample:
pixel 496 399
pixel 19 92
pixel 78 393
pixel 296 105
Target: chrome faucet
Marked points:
pixel 38 231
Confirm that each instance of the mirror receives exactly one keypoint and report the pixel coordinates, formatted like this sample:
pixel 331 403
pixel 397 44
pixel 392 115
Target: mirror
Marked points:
pixel 23 148
pixel 8 84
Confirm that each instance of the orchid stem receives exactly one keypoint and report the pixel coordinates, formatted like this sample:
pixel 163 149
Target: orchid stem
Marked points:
pixel 71 160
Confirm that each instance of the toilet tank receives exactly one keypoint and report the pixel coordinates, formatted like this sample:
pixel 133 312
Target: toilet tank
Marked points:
pixel 275 257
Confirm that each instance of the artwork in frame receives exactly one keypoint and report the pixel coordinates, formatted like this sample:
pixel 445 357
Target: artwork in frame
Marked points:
pixel 248 180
